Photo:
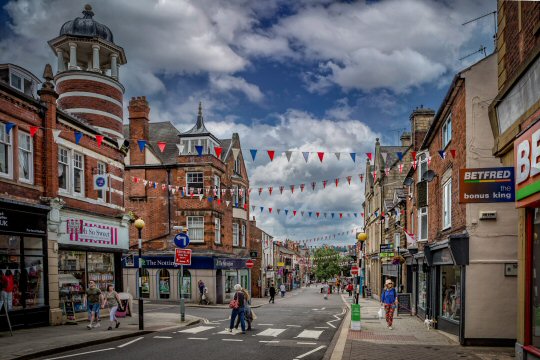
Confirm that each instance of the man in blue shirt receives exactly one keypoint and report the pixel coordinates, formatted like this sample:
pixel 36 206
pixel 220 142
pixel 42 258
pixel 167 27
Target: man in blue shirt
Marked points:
pixel 389 300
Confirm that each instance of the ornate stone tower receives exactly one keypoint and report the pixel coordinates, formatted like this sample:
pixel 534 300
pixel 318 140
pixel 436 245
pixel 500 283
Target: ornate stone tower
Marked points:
pixel 88 74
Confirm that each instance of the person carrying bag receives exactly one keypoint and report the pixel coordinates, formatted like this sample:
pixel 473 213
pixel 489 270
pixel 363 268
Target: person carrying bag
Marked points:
pixel 389 300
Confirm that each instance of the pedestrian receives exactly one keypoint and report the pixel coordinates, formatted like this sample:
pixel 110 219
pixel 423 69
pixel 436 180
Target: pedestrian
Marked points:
pixel 272 293
pixel 389 300
pixel 112 299
pixel 326 290
pixel 237 305
pixel 201 291
pixel 338 285
pixel 350 288
pixel 247 311
pixel 93 302
pixel 282 289
pixel 8 285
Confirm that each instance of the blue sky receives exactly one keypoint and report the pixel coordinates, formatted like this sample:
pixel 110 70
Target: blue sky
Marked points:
pixel 314 75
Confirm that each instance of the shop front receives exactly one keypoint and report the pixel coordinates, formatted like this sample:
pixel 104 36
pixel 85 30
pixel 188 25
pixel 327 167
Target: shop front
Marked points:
pixel 420 285
pixel 89 249
pixel 23 264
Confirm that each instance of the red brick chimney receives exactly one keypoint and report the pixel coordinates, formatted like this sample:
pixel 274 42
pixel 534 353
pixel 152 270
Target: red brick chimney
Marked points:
pixel 138 127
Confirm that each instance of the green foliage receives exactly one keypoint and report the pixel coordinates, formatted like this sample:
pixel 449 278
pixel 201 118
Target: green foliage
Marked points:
pixel 327 261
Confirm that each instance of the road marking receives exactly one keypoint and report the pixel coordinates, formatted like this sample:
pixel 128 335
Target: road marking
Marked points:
pixel 328 322
pixel 196 329
pixel 310 352
pixel 310 334
pixel 231 340
pixel 79 354
pixel 306 343
pixel 271 332
pixel 162 337
pixel 321 327
pixel 227 332
pixel 293 325
pixel 269 341
pixel 192 338
pixel 130 342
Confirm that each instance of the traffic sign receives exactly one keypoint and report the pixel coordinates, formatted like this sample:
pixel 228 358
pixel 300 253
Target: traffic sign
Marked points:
pixel 253 254
pixel 354 270
pixel 249 264
pixel 181 240
pixel 182 257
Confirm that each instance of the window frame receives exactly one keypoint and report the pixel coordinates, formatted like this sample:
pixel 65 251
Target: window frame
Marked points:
pixel 236 195
pixel 217 230
pixel 102 194
pixel 20 76
pixel 423 211
pixel 74 156
pixel 235 234
pixel 191 227
pixel 243 235
pixel 195 187
pixel 217 185
pixel 68 165
pixel 447 204
pixel 237 167
pixel 9 144
pixel 446 136
pixel 30 152
pixel 422 160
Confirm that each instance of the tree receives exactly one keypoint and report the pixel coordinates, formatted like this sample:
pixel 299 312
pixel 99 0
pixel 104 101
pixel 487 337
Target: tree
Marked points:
pixel 327 263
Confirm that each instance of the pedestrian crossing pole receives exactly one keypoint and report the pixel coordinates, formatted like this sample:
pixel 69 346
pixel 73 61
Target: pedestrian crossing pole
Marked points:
pixel 182 303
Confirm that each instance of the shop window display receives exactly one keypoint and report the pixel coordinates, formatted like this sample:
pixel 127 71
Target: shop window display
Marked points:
pixel 145 284
pixel 101 269
pixel 186 286
pixel 450 296
pixel 422 290
pixel 164 284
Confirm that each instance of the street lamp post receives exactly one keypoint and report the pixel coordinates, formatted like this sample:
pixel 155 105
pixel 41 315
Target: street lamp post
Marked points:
pixel 139 224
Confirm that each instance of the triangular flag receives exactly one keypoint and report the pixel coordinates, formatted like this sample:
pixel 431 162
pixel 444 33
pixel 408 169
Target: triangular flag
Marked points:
pixel 262 208
pixel 384 156
pixel 428 160
pixel 286 212
pixel 400 155
pixel 199 149
pixel 227 202
pixel 33 130
pixel 361 176
pixel 453 153
pixel 56 134
pixel 338 155
pixel 235 152
pixel 252 207
pixel 302 213
pixel 270 210
pixel 292 189
pixel 99 140
pixel 413 154
pixel 324 184
pixel 302 186
pixel 278 211
pixel 260 191
pixel 271 154
pixel 10 125
pixel 78 136
pixel 310 212
pixel 313 184
pixel 400 166
pixel 306 155
pixel 142 144
pixel 321 155
pixel 294 212
pixel 341 215
pixel 318 213
pixel 442 153
pixel 253 153
pixel 281 189
pixel 288 155
pixel 370 156
pixel 161 145
pixel 270 190
pixel 200 197
pixel 353 157
pixel 180 149
pixel 374 176
pixel 332 214
pixel 337 182
pixel 414 164
pixel 362 214
pixel 349 179
pixel 218 150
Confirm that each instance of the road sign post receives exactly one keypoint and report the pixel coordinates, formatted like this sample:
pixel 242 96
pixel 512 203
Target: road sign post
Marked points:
pixel 182 241
pixel 249 265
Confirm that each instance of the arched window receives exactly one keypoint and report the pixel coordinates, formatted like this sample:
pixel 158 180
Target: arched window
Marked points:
pixel 145 281
pixel 186 286
pixel 164 283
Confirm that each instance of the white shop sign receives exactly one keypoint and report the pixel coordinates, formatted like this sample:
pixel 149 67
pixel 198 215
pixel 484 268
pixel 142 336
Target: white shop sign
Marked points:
pixel 96 234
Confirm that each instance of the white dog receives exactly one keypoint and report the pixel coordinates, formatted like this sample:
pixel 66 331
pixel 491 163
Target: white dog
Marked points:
pixel 430 323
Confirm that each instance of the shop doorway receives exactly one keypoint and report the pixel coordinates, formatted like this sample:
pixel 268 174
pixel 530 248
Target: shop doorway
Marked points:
pixel 219 286
pixel 164 281
pixel 145 281
pixel 186 285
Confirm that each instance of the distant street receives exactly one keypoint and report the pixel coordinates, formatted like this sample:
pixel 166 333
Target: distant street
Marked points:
pixel 300 326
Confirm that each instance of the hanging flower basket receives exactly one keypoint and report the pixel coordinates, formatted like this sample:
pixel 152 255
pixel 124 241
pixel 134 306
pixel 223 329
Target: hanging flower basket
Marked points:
pixel 398 259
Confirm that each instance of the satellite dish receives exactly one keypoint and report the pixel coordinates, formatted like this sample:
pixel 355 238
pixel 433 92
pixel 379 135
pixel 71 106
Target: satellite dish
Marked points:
pixel 408 181
pixel 429 175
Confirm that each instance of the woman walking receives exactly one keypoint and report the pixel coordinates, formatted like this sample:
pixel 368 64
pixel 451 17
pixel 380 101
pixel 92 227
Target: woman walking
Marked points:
pixel 247 311
pixel 237 306
pixel 389 300
pixel 112 300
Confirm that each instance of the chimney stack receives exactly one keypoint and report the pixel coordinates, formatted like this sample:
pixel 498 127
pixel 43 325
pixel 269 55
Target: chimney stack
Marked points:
pixel 138 125
pixel 421 119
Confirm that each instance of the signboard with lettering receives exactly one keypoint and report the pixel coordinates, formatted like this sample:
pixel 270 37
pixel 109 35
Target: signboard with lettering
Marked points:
pixel 527 163
pixel 404 303
pixel 22 222
pixel 182 256
pixel 229 264
pixel 77 231
pixel 100 182
pixel 386 248
pixel 486 185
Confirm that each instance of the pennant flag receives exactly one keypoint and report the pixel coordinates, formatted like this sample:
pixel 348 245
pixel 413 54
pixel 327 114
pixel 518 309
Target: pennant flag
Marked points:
pixel 309 212
pixel 302 213
pixel 317 213
pixel 262 208
pixel 321 155
pixel 313 184
pixel 142 144
pixel 325 214
pixel 281 189
pixel 453 153
pixel 10 125
pixel 349 179
pixel 200 197
pixel 161 145
pixel 374 176
pixel 180 149
pixel 227 202
pixel 384 156
pixel 338 155
pixel 332 214
pixel 271 154
pixel 341 215
pixel 286 212
pixel 442 153
pixel 361 177
pixel 99 140
pixel 253 153
pixel 411 239
pixel 270 210
pixel 252 207
pixel 294 212
pixel 302 186
pixel 288 155
pixel 210 199
pixel 362 214
pixel 120 142
pixel 414 164
pixel 400 155
pixel 278 210
pixel 33 130
pixel 337 182
pixel 370 156
pixel 78 136
pixel 270 190
pixel 413 154
pixel 429 161
pixel 199 149
pixel 353 157
pixel 235 152
pixel 260 191
pixel 292 189
pixel 324 184
pixel 306 155
pixel 400 166
pixel 218 151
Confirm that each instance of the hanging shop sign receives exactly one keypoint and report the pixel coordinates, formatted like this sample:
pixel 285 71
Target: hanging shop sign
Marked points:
pixel 486 185
pixel 527 163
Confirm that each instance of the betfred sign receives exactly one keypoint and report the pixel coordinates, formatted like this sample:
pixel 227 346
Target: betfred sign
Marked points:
pixel 527 164
pixel 182 257
pixel 486 185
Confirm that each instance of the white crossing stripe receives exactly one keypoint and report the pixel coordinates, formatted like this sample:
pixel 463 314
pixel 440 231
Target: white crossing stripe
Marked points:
pixel 293 325
pixel 306 343
pixel 226 332
pixel 232 340
pixel 197 329
pixel 269 341
pixel 162 337
pixel 310 334
pixel 271 332
pixel 322 327
pixel 194 338
pixel 266 324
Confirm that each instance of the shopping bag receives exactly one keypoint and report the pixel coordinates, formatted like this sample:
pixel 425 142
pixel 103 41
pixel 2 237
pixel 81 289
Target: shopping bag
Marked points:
pixel 253 316
pixel 380 313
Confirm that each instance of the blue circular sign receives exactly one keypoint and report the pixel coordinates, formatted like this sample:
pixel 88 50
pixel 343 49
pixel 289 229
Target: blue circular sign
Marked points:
pixel 181 240
pixel 100 181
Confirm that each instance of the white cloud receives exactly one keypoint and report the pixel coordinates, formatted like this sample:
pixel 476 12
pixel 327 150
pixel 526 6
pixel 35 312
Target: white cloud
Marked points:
pixel 227 83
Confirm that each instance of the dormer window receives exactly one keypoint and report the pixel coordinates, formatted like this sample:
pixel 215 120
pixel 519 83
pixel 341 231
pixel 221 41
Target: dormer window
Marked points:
pixel 16 81
pixel 237 168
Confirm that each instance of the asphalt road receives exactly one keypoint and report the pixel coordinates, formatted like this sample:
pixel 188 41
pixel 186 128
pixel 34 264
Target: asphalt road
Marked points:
pixel 300 326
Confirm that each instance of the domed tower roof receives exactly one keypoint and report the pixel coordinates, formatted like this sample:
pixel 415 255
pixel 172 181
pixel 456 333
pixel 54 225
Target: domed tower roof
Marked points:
pixel 87 27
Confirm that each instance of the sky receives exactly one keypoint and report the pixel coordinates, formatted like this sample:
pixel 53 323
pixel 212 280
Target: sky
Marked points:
pixel 301 76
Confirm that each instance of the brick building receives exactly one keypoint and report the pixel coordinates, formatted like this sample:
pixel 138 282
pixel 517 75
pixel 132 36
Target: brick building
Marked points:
pixel 257 238
pixel 514 115
pixel 206 193
pixel 59 230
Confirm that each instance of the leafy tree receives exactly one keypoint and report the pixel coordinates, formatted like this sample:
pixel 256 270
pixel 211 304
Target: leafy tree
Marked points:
pixel 327 263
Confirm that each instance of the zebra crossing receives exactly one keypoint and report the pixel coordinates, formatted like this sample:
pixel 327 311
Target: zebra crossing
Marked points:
pixel 285 332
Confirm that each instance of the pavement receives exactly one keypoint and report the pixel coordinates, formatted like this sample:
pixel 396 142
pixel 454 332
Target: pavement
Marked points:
pixel 409 339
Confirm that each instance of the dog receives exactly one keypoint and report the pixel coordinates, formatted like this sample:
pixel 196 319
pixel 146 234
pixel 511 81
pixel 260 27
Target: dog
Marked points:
pixel 430 323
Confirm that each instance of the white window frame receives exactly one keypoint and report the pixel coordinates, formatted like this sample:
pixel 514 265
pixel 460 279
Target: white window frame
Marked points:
pixel 422 161
pixel 193 182
pixel 102 170
pixel 30 152
pixel 7 140
pixel 193 224
pixel 79 167
pixel 235 234
pixel 447 131
pixel 237 168
pixel 20 76
pixel 217 230
pixel 423 212
pixel 67 165
pixel 397 240
pixel 217 185
pixel 243 235
pixel 447 204
pixel 236 195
